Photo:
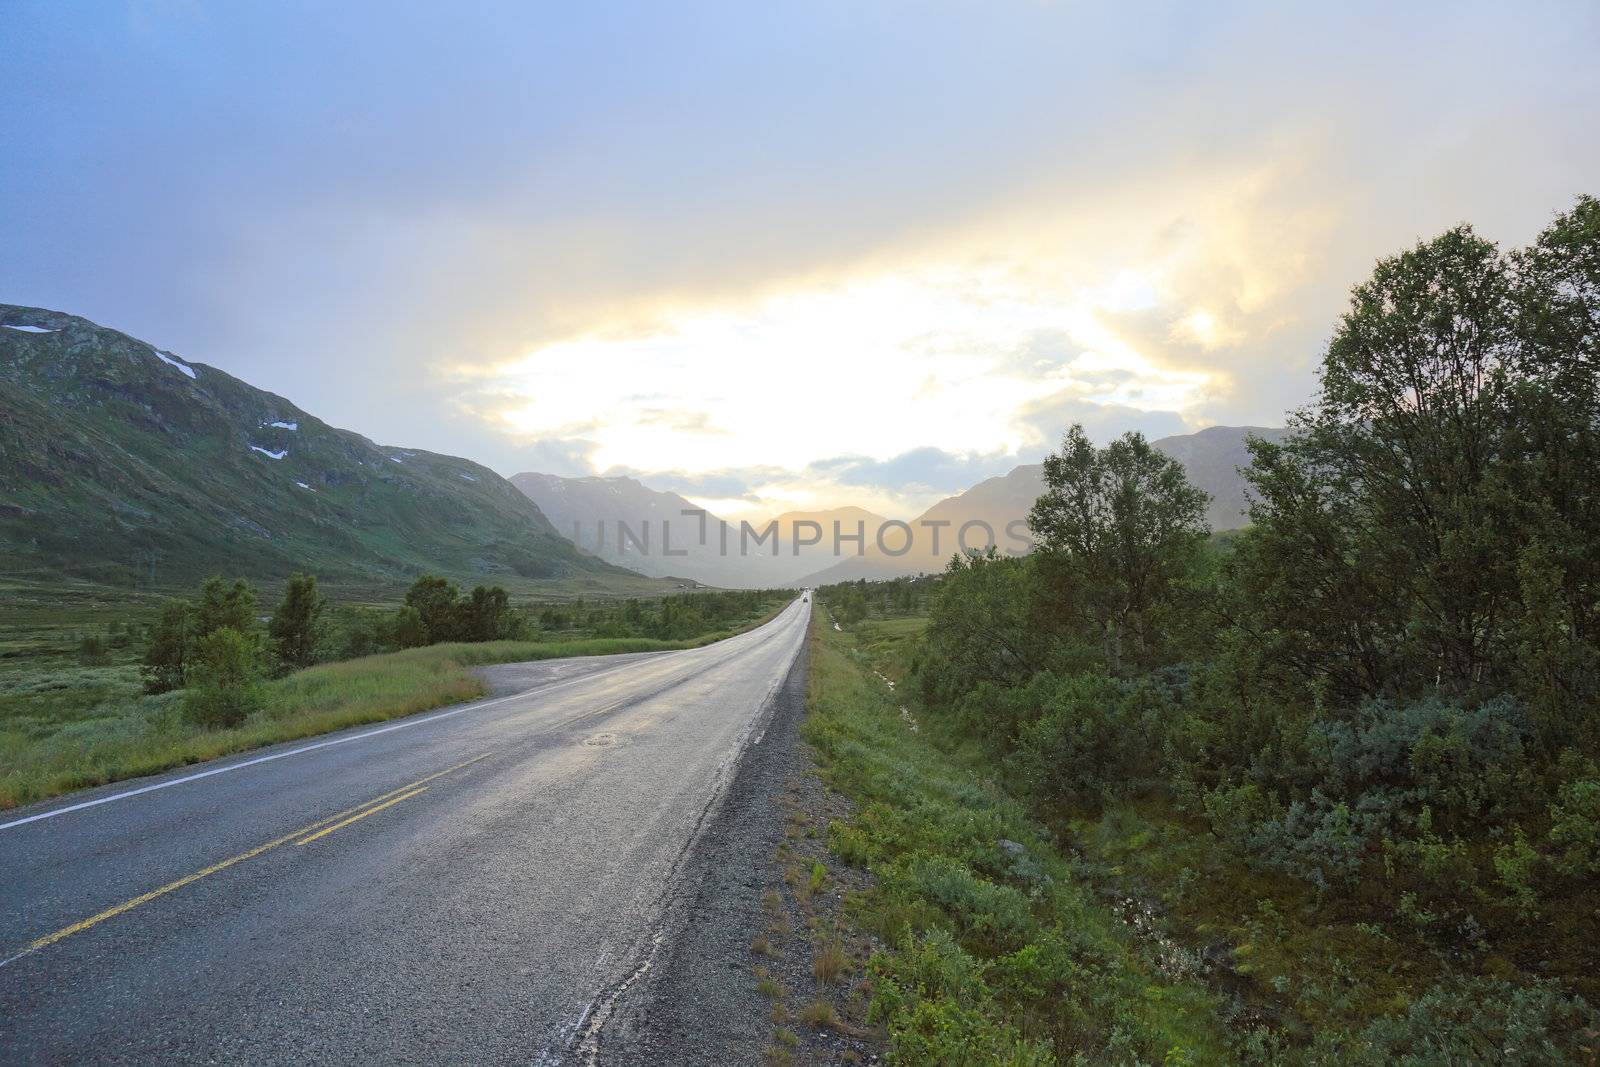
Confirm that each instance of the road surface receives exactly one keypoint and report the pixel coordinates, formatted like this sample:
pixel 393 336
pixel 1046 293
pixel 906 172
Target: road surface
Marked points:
pixel 473 885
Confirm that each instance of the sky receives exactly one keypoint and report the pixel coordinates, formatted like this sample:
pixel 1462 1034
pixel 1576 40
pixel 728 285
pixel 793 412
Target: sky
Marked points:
pixel 769 255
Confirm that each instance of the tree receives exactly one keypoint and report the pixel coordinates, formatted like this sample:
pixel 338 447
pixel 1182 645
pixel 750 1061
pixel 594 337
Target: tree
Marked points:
pixel 224 606
pixel 1117 529
pixel 296 625
pixel 435 599
pixel 486 614
pixel 167 648
pixel 223 680
pixel 1431 522
pixel 1557 448
pixel 978 627
pixel 409 629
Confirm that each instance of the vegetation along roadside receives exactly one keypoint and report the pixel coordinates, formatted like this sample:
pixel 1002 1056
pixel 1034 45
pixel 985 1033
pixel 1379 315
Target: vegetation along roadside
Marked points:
pixel 1335 776
pixel 202 678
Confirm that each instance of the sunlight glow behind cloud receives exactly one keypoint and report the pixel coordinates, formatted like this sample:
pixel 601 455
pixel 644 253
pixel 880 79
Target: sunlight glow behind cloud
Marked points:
pixel 860 367
pixel 580 240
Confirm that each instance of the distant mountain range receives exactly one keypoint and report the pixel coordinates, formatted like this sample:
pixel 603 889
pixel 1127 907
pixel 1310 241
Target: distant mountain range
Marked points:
pixel 122 463
pixel 663 534
pixel 579 506
pixel 1211 458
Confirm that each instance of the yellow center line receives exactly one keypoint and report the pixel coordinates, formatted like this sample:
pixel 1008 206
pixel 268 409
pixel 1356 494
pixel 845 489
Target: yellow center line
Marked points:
pixel 316 830
pixel 326 830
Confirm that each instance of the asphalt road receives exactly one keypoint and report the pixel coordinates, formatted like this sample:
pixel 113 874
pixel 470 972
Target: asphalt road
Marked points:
pixel 475 885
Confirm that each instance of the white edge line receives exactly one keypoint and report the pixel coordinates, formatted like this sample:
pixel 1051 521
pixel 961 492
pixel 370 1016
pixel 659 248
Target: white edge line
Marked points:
pixel 401 725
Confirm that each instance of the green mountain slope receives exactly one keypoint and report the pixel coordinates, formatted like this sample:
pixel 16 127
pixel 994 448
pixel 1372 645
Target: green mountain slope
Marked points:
pixel 123 464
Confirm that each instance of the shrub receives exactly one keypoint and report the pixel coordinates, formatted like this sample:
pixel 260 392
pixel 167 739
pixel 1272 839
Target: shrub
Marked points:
pixel 409 629
pixel 1319 840
pixel 167 648
pixel 1514 864
pixel 1093 737
pixel 988 917
pixel 296 625
pixel 486 615
pixel 435 601
pixel 1483 1020
pixel 1575 825
pixel 225 607
pixel 1390 774
pixel 1465 763
pixel 92 651
pixel 940 1032
pixel 224 685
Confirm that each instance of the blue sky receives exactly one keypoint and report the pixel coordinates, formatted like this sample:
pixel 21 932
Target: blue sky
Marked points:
pixel 773 255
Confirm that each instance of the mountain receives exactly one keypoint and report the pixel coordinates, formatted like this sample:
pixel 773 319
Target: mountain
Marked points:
pixel 1211 458
pixel 795 560
pixel 122 463
pixel 588 510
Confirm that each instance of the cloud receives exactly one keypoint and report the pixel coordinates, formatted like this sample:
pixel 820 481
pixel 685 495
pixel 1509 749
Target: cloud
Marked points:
pixel 569 458
pixel 669 247
pixel 1050 418
pixel 917 472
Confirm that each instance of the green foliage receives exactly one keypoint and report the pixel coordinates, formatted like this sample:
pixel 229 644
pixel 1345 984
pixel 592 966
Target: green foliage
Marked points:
pixel 1575 827
pixel 979 629
pixel 167 647
pixel 295 626
pixel 486 615
pixel 223 606
pixel 943 1031
pixel 1089 736
pixel 174 640
pixel 994 952
pixel 1514 863
pixel 1429 524
pixel 1380 700
pixel 1482 1020
pixel 93 651
pixel 1118 528
pixel 435 600
pixel 408 629
pixel 223 680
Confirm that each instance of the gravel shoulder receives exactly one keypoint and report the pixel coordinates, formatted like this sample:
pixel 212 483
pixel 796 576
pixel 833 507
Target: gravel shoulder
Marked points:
pixel 738 965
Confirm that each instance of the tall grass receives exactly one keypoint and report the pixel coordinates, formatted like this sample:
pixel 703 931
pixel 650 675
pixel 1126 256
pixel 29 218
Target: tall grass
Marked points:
pixel 994 951
pixel 137 735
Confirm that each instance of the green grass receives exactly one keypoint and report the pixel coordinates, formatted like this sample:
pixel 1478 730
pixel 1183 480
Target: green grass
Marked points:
pixel 1295 976
pixel 997 953
pixel 64 727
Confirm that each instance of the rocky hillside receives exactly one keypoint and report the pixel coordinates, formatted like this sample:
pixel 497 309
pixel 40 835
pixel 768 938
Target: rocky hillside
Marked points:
pixel 123 463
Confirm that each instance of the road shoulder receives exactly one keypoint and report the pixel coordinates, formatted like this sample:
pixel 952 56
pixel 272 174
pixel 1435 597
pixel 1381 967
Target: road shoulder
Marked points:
pixel 739 968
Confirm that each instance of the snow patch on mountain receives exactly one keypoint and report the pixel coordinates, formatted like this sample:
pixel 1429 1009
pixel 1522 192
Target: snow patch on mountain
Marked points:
pixel 169 361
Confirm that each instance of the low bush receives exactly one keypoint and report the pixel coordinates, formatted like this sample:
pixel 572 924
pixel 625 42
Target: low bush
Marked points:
pixel 223 680
pixel 1482 1020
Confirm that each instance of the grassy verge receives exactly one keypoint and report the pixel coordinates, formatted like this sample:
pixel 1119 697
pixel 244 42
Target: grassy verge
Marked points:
pixel 1294 976
pixel 79 727
pixel 998 951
